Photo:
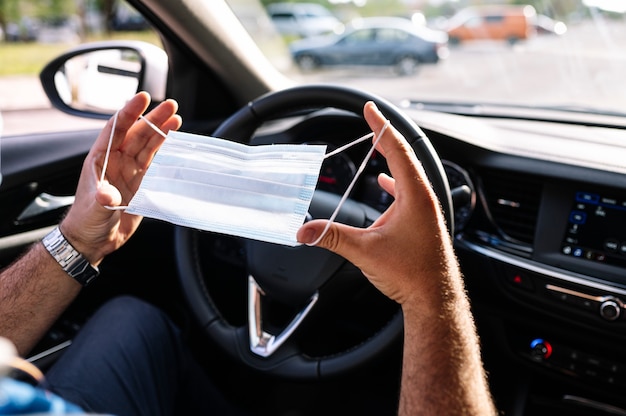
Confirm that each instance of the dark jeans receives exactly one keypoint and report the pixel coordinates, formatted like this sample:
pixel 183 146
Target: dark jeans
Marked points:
pixel 129 359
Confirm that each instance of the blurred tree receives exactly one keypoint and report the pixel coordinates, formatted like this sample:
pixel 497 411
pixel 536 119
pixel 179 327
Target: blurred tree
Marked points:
pixel 365 8
pixel 56 9
pixel 13 11
pixel 9 12
pixel 553 8
pixel 107 8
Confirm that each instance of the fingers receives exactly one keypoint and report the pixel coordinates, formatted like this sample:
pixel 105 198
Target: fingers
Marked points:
pixel 375 119
pixel 145 140
pixel 387 183
pixel 342 239
pixel 404 166
pixel 126 117
pixel 401 158
pixel 137 139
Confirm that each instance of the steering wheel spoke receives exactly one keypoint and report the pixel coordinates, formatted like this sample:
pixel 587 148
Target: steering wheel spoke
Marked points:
pixel 263 343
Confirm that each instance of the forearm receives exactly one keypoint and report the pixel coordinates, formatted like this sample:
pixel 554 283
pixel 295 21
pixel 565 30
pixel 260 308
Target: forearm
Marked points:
pixel 442 368
pixel 34 291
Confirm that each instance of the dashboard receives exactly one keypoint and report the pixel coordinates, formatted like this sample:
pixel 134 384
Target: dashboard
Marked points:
pixel 542 245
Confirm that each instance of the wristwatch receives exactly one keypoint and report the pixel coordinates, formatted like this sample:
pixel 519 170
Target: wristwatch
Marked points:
pixel 68 258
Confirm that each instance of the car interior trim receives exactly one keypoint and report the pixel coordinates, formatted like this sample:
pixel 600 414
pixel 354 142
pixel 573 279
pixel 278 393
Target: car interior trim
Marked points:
pixel 592 147
pixel 43 203
pixel 546 270
pixel 24 239
pixel 50 351
pixel 594 405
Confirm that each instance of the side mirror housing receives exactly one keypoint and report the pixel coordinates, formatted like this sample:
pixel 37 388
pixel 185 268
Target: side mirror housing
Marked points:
pixel 96 79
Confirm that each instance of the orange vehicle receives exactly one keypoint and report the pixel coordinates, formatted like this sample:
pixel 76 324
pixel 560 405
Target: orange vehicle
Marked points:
pixel 510 23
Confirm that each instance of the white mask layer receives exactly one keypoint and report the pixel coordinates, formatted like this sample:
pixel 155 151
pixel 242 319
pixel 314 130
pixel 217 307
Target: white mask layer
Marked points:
pixel 257 192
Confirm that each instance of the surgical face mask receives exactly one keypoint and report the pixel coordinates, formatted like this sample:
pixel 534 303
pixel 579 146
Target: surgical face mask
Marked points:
pixel 256 192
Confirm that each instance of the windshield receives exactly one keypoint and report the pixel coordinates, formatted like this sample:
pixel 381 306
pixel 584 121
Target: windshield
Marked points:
pixel 567 54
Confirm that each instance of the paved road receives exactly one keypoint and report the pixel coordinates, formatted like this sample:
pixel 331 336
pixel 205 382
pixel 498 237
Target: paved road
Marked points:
pixel 26 109
pixel 44 120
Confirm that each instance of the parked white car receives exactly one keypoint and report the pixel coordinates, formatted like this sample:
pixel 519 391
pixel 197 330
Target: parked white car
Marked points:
pixel 303 19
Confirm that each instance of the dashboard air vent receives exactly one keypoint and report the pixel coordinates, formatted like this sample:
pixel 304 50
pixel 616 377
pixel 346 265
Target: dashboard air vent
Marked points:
pixel 512 201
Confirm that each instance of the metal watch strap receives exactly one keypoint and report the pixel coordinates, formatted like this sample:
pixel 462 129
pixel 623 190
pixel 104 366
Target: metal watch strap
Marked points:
pixel 68 258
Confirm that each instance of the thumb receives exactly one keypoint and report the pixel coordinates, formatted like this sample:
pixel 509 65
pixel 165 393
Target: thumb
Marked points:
pixel 108 195
pixel 341 239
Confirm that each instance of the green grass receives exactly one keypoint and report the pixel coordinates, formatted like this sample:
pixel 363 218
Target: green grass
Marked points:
pixel 27 58
pixel 30 58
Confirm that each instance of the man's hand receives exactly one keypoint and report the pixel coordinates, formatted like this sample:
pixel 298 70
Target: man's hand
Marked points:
pixel 409 241
pixel 92 229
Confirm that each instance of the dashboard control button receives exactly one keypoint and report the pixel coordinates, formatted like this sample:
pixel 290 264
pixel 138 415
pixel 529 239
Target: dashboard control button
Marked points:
pixel 610 310
pixel 520 280
pixel 540 349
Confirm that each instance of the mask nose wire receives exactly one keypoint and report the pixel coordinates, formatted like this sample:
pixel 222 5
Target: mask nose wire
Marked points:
pixel 356 176
pixel 108 153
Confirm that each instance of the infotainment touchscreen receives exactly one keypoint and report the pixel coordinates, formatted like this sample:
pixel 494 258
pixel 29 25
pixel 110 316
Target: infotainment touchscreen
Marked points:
pixel 596 228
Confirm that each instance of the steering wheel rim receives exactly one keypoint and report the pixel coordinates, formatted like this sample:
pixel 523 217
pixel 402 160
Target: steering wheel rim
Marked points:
pixel 287 361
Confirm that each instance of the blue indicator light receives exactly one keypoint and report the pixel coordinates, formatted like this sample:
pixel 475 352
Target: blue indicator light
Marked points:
pixel 578 217
pixel 587 197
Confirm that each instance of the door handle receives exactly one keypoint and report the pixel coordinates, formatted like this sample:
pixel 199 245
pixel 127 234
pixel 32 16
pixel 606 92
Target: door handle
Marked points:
pixel 44 203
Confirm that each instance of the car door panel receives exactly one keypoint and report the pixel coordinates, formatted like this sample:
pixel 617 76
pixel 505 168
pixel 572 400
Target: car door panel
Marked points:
pixel 40 174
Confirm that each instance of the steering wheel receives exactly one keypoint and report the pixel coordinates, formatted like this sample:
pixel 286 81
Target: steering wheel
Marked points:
pixel 293 276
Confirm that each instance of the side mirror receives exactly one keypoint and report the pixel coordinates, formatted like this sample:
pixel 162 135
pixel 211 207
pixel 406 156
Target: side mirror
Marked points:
pixel 96 79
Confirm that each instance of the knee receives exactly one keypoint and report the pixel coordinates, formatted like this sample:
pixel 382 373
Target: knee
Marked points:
pixel 127 307
pixel 130 315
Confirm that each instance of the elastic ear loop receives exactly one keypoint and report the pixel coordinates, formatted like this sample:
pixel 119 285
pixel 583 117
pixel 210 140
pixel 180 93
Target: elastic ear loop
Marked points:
pixel 108 153
pixel 356 176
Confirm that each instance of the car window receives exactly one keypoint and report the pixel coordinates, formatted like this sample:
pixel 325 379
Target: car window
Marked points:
pixel 359 36
pixel 391 35
pixel 474 22
pixel 285 15
pixel 494 19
